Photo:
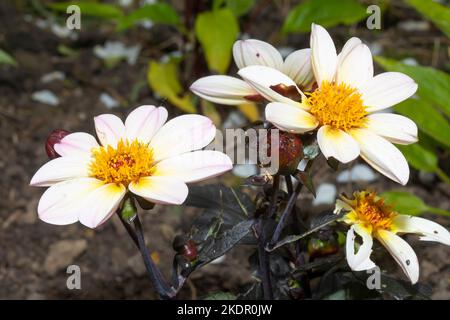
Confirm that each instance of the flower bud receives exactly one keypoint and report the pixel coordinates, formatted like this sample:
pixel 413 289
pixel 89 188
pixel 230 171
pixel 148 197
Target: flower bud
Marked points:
pixel 185 247
pixel 53 138
pixel 290 150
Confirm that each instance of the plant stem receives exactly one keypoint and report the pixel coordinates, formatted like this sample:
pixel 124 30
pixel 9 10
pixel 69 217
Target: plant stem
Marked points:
pixel 155 275
pixel 443 176
pixel 264 262
pixel 439 211
pixel 286 212
pixel 264 258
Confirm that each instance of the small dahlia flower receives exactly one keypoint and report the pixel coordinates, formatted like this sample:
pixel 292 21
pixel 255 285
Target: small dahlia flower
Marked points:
pixel 146 156
pixel 233 91
pixel 370 218
pixel 343 105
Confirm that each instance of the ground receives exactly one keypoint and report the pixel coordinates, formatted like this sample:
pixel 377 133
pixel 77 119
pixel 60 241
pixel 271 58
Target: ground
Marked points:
pixel 34 255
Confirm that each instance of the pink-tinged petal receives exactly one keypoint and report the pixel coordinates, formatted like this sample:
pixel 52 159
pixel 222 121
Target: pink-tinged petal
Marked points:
pixel 143 122
pixel 194 166
pixel 60 204
pixel 298 67
pixel 324 56
pixel 348 47
pixel 382 155
pixel 289 118
pixel 110 129
pixel 60 169
pixel 356 68
pixel 402 252
pixel 429 230
pixel 255 52
pixel 393 127
pixel 223 89
pixel 262 78
pixel 337 144
pixel 182 134
pixel 387 89
pixel 360 260
pixel 101 204
pixel 160 190
pixel 76 144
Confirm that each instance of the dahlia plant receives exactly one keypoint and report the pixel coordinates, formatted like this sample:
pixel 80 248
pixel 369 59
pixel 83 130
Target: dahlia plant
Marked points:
pixel 319 103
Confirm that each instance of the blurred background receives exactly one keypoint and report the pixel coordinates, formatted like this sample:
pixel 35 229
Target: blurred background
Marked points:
pixel 134 52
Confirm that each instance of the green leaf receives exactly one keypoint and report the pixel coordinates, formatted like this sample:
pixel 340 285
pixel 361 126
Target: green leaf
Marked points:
pixel 324 12
pixel 5 58
pixel 220 296
pixel 128 211
pixel 88 8
pixel 158 13
pixel 240 7
pixel 437 13
pixel 163 79
pixel 420 157
pixel 434 85
pixel 216 31
pixel 427 118
pixel 404 202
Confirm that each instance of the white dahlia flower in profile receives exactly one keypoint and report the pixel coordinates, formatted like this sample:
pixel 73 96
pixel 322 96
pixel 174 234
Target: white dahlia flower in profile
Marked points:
pixel 343 106
pixel 233 91
pixel 371 218
pixel 146 156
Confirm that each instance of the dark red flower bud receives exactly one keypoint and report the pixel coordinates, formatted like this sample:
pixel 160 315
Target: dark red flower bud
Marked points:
pixel 185 247
pixel 54 137
pixel 290 150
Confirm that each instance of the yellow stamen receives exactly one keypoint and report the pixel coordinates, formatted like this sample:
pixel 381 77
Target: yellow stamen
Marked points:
pixel 124 164
pixel 337 105
pixel 370 211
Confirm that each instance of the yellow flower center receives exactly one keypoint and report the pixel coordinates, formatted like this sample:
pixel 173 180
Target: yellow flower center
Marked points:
pixel 337 105
pixel 372 212
pixel 124 164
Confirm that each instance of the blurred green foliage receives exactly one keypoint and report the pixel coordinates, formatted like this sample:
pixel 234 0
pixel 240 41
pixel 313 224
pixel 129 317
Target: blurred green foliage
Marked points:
pixel 324 12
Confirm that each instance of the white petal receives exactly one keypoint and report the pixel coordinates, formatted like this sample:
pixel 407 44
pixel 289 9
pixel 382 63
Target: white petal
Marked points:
pixel 194 166
pixel 182 134
pixel 61 169
pixel 255 52
pixel 387 89
pixel 76 144
pixel 356 68
pixel 143 122
pixel 110 129
pixel 60 204
pixel 361 260
pixel 324 57
pixel 431 231
pixel 337 144
pixel 223 89
pixel 160 190
pixel 101 204
pixel 402 253
pixel 298 67
pixel 262 78
pixel 382 155
pixel 393 127
pixel 348 47
pixel 289 118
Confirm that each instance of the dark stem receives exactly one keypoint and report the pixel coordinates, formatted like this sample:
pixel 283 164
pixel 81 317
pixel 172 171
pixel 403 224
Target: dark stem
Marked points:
pixel 273 202
pixel 264 257
pixel 161 286
pixel 264 262
pixel 129 229
pixel 286 212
